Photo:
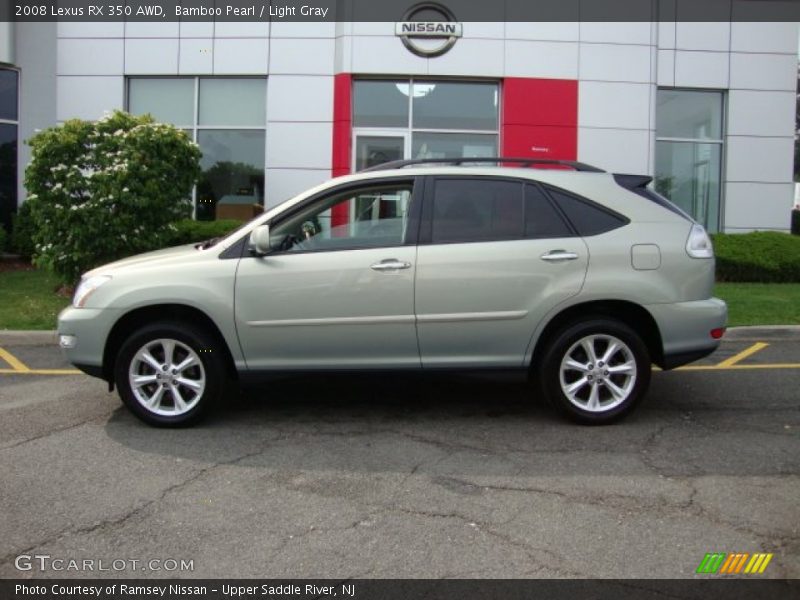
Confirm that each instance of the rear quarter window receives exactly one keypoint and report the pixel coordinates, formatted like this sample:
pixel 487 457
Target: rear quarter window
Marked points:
pixel 586 217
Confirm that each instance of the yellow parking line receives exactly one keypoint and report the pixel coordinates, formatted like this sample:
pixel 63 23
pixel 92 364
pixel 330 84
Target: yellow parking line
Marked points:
pixel 16 364
pixel 40 372
pixel 729 362
pixel 738 367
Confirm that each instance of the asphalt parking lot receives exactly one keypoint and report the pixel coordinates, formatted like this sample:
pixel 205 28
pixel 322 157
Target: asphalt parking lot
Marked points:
pixel 405 477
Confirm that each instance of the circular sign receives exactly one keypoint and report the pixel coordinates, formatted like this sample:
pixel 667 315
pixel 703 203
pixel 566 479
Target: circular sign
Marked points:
pixel 428 29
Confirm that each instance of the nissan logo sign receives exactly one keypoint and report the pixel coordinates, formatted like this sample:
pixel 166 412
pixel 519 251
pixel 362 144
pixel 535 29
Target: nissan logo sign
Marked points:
pixel 428 29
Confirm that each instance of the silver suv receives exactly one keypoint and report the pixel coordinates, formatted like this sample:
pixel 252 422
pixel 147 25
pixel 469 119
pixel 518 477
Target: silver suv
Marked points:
pixel 578 277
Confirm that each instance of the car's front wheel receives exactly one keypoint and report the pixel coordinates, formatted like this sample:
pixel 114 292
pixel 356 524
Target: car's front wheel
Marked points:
pixel 595 371
pixel 169 374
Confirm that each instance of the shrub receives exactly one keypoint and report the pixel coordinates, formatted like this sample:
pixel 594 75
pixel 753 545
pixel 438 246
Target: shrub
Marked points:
pixel 796 220
pixel 762 256
pixel 105 190
pixel 189 231
pixel 22 231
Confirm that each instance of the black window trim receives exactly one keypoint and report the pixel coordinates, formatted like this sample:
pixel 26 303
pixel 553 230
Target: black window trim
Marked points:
pixel 548 189
pixel 412 229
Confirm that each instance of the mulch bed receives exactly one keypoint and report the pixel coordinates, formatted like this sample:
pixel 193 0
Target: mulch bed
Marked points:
pixel 15 264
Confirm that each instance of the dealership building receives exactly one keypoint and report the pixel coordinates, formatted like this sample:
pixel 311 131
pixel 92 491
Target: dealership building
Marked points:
pixel 706 108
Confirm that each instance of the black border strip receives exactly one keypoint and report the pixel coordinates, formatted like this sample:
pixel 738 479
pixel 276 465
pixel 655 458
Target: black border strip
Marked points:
pixel 406 589
pixel 159 11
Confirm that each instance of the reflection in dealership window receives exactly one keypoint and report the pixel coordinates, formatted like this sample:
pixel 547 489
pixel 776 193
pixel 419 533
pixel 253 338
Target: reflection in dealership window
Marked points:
pixel 396 119
pixel 226 116
pixel 689 145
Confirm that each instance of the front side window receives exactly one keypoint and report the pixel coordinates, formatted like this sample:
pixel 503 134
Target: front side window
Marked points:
pixel 372 217
pixel 689 145
pixel 226 116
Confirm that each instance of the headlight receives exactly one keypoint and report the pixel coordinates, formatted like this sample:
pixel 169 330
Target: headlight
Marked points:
pixel 86 288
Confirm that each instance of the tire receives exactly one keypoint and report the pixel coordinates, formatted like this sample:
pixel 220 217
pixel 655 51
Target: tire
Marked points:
pixel 180 395
pixel 602 394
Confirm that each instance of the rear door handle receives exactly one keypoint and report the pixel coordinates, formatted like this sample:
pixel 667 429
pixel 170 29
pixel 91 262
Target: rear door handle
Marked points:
pixel 558 255
pixel 390 264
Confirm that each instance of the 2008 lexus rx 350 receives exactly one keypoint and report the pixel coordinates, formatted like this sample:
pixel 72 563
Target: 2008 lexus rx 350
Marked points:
pixel 580 278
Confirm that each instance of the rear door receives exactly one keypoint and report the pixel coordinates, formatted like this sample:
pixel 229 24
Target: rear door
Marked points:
pixel 495 256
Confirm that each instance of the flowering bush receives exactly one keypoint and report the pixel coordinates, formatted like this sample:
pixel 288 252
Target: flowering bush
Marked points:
pixel 100 191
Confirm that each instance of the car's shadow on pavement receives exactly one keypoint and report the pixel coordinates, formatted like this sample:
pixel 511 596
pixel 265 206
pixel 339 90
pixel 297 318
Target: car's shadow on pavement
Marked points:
pixel 469 426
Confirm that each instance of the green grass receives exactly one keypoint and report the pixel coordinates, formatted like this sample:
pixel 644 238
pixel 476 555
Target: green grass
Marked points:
pixel 28 300
pixel 761 303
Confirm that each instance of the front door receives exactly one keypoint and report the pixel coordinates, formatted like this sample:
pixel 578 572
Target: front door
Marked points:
pixel 338 289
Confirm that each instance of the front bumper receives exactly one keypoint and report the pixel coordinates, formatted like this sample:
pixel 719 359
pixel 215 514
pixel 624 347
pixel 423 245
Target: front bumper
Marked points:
pixel 85 331
pixel 686 329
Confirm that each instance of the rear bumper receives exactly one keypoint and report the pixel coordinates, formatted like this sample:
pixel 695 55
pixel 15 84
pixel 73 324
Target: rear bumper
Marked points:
pixel 686 329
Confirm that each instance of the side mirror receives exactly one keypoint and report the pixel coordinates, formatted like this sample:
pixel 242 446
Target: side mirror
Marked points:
pixel 259 241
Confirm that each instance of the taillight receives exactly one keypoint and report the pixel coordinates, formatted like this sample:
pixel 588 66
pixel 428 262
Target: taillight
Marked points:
pixel 717 333
pixel 699 244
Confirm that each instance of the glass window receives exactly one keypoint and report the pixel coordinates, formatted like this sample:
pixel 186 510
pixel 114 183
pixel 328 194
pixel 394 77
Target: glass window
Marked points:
pixel 380 104
pixel 587 218
pixel 233 169
pixel 469 210
pixel 455 106
pixel 8 173
pixel 167 100
pixel 689 140
pixel 688 174
pixel 450 145
pixel 230 102
pixel 378 218
pixel 541 218
pixel 443 119
pixel 8 94
pixel 229 126
pixel 374 150
pixel 689 114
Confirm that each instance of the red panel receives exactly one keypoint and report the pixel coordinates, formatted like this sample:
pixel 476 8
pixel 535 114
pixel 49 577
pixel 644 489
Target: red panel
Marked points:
pixel 342 123
pixel 558 143
pixel 342 138
pixel 540 118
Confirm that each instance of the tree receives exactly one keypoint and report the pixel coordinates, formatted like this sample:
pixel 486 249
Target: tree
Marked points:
pixel 103 190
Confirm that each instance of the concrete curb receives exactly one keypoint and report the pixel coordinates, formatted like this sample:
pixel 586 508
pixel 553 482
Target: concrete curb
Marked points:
pixel 27 338
pixel 777 333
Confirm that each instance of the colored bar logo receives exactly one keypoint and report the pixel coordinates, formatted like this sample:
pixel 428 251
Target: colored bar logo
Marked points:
pixel 734 563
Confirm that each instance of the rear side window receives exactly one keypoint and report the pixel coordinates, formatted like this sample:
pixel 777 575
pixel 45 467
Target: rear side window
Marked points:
pixel 471 210
pixel 586 217
pixel 541 217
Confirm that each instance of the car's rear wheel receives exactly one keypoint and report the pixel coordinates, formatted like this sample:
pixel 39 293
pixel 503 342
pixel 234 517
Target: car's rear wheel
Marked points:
pixel 169 374
pixel 595 371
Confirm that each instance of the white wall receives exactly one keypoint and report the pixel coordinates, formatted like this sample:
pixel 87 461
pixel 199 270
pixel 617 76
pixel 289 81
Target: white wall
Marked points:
pixel 619 67
pixel 7 42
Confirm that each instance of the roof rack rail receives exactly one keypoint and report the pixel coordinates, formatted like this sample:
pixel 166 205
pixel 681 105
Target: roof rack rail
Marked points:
pixel 497 160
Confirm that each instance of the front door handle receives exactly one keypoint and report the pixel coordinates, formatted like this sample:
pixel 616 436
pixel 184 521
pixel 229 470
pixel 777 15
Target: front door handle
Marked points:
pixel 390 264
pixel 558 255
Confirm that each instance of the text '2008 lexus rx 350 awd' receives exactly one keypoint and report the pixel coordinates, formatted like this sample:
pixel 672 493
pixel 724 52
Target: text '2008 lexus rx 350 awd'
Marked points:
pixel 578 278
